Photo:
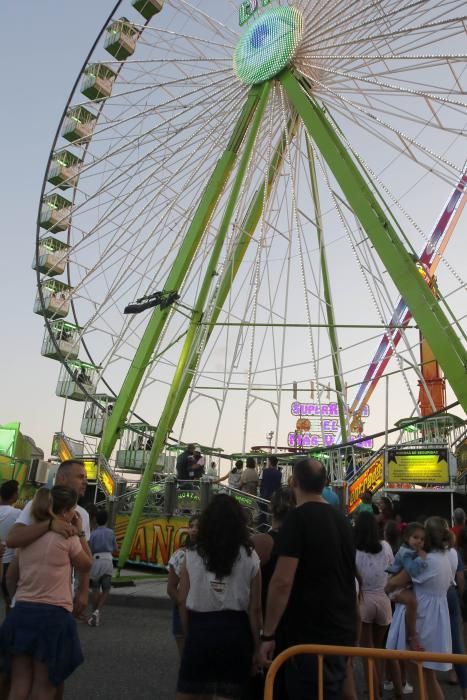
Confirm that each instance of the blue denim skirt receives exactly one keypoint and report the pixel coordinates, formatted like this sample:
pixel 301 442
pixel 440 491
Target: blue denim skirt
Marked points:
pixel 47 633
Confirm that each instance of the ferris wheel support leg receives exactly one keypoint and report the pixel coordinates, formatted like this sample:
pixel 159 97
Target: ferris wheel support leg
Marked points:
pixel 176 276
pixel 427 312
pixel 335 357
pixel 189 346
pixel 232 266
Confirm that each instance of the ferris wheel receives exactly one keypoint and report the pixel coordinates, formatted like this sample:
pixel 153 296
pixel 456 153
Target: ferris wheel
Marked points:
pixel 234 203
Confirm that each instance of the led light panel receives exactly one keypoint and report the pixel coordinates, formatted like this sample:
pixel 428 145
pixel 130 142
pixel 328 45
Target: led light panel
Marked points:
pixel 268 45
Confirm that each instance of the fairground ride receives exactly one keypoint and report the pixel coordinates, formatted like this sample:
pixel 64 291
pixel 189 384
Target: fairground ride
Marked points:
pixel 232 210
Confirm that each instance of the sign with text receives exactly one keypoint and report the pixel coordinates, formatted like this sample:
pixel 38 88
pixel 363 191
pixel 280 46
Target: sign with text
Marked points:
pixel 418 467
pixel 371 480
pixel 318 425
pixel 155 539
pixel 250 8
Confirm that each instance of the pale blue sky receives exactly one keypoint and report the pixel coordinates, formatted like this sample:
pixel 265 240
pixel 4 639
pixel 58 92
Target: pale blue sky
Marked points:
pixel 44 44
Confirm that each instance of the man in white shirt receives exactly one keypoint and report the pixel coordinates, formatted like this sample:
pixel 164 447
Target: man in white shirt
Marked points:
pixel 8 517
pixel 72 474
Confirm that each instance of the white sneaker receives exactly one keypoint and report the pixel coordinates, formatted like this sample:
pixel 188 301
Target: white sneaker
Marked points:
pixel 388 685
pixel 94 619
pixel 407 689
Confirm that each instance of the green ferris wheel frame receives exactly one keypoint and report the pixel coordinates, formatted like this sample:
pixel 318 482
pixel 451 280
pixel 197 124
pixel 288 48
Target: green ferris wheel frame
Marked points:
pixel 425 308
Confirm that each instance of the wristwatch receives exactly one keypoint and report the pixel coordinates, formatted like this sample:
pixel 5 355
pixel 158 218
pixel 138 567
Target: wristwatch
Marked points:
pixel 267 637
pixel 81 534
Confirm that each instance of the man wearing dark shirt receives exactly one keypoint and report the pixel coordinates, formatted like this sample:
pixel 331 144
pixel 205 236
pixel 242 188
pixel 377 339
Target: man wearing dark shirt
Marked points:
pixel 271 479
pixel 313 586
pixel 185 460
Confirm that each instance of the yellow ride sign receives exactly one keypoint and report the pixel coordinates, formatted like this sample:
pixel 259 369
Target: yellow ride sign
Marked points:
pixel 418 467
pixel 371 480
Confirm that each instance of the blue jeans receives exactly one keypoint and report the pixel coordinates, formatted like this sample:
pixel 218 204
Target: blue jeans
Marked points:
pixel 455 619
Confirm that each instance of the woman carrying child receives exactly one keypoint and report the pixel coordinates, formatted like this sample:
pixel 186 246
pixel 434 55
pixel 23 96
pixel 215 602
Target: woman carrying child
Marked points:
pixel 39 644
pixel 430 587
pixel 410 558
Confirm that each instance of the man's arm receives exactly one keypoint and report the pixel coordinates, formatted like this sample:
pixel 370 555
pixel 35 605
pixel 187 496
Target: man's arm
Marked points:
pixel 278 597
pixel 22 535
pixel 12 576
pixel 279 592
pixel 82 595
pixel 254 609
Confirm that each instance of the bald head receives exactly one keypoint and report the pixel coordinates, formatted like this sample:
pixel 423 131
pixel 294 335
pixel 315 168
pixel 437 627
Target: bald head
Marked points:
pixel 309 475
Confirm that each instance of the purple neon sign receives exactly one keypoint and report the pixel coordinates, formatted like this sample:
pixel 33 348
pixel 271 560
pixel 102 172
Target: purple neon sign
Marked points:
pixel 321 426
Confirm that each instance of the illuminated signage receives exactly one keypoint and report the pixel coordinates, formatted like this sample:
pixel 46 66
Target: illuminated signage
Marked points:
pixel 61 449
pixel 155 539
pixel 107 482
pixel 90 467
pixel 418 467
pixel 371 479
pixel 320 409
pixel 318 425
pixel 249 8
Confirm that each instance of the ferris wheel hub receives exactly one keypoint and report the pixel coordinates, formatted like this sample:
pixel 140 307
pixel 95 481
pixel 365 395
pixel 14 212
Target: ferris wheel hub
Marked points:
pixel 268 45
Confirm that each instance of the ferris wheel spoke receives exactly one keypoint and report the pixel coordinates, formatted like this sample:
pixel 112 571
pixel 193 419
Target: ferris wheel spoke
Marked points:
pixel 350 108
pixel 371 14
pixel 397 89
pixel 150 134
pixel 172 100
pixel 356 253
pixel 412 33
pixel 171 200
pixel 149 178
pixel 193 12
pixel 197 40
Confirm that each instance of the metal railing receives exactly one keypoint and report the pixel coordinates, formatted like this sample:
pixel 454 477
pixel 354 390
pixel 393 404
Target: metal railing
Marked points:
pixel 371 655
pixel 462 437
pixel 255 507
pixel 170 496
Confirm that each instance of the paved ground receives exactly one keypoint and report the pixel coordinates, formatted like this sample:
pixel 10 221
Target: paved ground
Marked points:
pixel 132 656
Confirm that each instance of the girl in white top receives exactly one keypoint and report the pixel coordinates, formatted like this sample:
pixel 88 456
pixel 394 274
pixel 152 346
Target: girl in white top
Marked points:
pixel 373 557
pixel 175 568
pixel 220 597
pixel 235 476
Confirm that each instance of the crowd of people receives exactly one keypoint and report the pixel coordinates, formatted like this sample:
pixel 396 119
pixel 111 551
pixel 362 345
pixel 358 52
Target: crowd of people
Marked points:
pixel 370 580
pixel 316 576
pixel 242 599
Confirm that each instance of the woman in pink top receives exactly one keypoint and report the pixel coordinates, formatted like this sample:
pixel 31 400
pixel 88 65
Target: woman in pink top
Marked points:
pixel 39 644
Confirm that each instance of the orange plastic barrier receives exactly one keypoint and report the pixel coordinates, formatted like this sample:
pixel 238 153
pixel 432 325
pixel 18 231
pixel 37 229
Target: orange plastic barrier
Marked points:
pixel 371 655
